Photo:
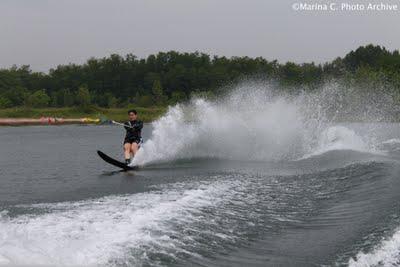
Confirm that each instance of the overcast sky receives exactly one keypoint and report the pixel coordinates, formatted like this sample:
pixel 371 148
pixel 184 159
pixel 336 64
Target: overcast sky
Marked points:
pixel 46 33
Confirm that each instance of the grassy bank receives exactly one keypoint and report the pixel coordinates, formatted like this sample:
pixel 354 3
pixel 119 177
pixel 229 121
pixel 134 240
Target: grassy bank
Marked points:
pixel 117 114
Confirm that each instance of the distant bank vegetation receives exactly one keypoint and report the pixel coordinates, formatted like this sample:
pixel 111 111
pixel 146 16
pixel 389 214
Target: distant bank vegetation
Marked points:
pixel 171 77
pixel 94 112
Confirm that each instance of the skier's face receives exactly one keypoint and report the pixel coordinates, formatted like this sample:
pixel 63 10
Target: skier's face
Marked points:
pixel 132 116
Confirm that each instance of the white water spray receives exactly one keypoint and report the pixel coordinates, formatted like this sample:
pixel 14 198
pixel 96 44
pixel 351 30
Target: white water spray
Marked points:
pixel 385 254
pixel 254 122
pixel 252 126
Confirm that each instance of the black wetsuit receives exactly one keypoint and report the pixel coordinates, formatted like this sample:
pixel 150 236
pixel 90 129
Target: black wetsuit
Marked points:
pixel 133 134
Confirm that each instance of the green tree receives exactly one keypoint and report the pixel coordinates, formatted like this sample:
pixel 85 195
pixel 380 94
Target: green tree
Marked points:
pixel 68 98
pixel 57 98
pixel 177 96
pixel 53 99
pixel 17 96
pixel 110 100
pixel 116 79
pixel 145 101
pixel 83 98
pixel 38 99
pixel 5 102
pixel 158 94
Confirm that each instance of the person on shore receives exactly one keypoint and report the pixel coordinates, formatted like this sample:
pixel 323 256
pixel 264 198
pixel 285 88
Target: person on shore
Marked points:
pixel 133 138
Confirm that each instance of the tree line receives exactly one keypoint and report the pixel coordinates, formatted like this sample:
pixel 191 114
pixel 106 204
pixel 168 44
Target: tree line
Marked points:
pixel 171 77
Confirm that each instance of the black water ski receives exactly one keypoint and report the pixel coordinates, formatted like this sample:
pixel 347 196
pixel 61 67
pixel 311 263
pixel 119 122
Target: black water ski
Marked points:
pixel 115 162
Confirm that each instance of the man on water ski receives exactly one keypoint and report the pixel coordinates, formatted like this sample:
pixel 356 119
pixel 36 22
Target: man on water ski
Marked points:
pixel 133 137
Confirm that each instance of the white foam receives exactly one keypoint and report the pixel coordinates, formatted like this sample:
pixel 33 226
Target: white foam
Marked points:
pixel 390 146
pixel 386 254
pixel 99 231
pixel 243 126
pixel 255 122
pixel 392 141
pixel 340 138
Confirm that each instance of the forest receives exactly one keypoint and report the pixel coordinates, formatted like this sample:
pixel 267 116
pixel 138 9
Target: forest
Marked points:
pixel 170 77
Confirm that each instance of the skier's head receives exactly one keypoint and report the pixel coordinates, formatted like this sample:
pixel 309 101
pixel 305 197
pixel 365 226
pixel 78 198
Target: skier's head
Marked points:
pixel 132 114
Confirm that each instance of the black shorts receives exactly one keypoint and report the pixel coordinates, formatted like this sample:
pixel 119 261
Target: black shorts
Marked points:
pixel 138 141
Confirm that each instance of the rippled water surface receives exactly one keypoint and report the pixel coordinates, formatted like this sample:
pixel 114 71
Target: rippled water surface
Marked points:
pixel 335 204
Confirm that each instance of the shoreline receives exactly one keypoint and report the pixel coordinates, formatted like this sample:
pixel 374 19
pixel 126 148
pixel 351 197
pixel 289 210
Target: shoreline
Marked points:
pixel 22 116
pixel 46 121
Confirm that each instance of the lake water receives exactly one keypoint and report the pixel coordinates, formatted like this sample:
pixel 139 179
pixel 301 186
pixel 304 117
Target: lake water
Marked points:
pixel 61 205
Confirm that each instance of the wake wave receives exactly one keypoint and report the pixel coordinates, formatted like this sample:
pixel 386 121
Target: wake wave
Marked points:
pixel 114 230
pixel 391 145
pixel 252 123
pixel 341 138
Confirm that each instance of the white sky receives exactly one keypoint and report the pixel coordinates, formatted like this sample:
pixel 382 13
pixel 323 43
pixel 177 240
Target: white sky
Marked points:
pixel 45 33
